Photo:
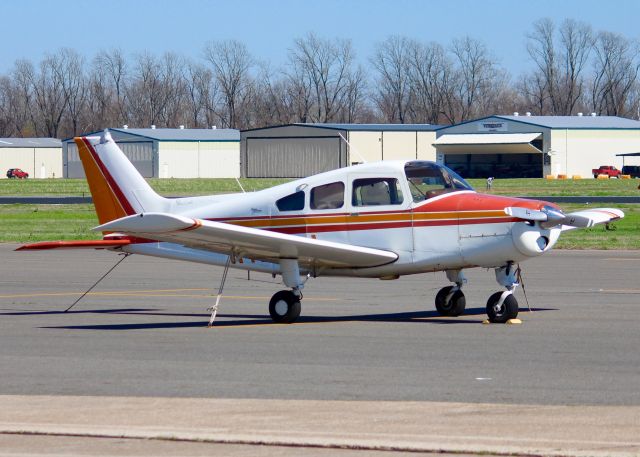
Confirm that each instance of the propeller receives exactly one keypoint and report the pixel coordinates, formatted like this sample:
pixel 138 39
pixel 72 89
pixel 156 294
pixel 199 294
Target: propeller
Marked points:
pixel 549 217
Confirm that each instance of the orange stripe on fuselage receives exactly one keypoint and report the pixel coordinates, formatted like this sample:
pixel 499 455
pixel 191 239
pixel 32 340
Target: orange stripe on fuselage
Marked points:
pixel 108 207
pixel 454 209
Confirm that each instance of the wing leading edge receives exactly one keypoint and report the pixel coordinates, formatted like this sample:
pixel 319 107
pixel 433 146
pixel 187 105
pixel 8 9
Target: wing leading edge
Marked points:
pixel 246 242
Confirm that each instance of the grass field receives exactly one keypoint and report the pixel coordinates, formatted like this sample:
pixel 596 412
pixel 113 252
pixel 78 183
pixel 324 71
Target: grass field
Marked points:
pixel 181 187
pixel 30 223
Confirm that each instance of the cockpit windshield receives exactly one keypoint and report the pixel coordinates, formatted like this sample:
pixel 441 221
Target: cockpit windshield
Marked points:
pixel 428 179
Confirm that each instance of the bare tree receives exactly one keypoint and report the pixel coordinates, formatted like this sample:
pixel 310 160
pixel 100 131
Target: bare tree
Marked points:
pixel 561 65
pixel 70 73
pixel 322 72
pixel 392 62
pixel 478 78
pixel 49 98
pixel 201 95
pixel 231 63
pixel 431 73
pixel 615 74
pixel 15 104
pixel 112 70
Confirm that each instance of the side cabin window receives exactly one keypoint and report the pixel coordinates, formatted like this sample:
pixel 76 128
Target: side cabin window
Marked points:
pixel 376 191
pixel 293 202
pixel 328 196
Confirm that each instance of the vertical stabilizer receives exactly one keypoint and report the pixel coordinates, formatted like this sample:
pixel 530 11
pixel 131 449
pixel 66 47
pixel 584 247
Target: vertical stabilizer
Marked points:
pixel 117 188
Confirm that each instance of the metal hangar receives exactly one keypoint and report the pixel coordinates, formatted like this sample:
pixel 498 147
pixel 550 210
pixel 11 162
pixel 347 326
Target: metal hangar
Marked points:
pixel 170 153
pixel 536 146
pixel 299 150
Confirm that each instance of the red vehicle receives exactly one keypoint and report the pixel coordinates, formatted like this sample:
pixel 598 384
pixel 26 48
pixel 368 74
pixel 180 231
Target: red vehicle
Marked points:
pixel 608 170
pixel 17 173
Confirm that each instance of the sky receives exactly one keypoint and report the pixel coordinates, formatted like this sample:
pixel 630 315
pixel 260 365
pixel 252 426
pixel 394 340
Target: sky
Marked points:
pixel 32 28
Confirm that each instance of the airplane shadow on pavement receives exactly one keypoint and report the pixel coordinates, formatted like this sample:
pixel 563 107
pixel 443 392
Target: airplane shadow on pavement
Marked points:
pixel 243 320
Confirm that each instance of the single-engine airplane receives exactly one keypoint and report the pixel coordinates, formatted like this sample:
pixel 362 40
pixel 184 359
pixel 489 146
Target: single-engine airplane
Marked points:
pixel 378 220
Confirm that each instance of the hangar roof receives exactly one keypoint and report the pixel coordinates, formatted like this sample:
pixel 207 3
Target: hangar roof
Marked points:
pixel 30 143
pixel 177 134
pixel 576 122
pixel 360 127
pixel 185 134
pixel 377 127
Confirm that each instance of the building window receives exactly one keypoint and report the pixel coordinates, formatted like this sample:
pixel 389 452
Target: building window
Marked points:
pixel 293 202
pixel 376 191
pixel 329 196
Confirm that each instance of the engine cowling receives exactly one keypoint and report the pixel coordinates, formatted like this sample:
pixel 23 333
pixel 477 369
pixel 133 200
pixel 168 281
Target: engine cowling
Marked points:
pixel 532 240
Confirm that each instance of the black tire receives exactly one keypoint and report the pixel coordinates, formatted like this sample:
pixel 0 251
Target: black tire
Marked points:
pixel 509 308
pixel 284 307
pixel 456 304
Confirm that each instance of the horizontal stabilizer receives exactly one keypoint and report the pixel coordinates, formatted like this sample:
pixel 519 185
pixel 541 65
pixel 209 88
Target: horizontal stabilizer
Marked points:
pixel 246 242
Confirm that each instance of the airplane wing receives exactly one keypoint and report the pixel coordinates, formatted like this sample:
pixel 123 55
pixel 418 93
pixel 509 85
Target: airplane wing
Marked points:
pixel 247 242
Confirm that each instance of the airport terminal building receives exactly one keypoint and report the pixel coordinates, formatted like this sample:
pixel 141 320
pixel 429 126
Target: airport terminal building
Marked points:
pixel 536 146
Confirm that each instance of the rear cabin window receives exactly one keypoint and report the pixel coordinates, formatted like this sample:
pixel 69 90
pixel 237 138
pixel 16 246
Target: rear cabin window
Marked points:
pixel 376 191
pixel 329 196
pixel 293 202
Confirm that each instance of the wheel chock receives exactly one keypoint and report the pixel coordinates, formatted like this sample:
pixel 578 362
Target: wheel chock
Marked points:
pixel 510 322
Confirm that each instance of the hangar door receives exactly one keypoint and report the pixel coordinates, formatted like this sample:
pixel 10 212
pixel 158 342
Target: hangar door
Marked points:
pixel 292 157
pixel 139 153
pixel 510 155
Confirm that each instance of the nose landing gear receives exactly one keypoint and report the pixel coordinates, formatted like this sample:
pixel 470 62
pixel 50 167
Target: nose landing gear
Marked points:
pixel 503 306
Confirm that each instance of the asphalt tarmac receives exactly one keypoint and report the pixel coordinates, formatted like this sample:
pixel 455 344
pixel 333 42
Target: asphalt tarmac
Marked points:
pixel 143 333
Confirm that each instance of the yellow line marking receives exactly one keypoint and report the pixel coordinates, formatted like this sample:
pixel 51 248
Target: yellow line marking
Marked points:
pixel 155 293
pixel 619 290
pixel 53 294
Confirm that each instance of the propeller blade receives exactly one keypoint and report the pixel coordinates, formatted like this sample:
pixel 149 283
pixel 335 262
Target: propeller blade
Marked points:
pixel 576 220
pixel 526 213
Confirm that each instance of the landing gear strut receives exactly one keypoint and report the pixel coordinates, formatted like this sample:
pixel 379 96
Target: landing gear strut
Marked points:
pixel 450 300
pixel 503 306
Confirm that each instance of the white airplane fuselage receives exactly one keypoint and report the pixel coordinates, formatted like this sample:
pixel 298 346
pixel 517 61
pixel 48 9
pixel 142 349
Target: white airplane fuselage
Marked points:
pixel 451 231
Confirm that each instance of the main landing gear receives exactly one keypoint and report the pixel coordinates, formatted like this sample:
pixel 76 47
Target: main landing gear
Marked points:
pixel 501 306
pixel 284 306
pixel 450 300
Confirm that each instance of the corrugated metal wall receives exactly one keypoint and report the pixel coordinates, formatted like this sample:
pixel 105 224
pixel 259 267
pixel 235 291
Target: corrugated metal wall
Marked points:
pixel 139 153
pixel 292 157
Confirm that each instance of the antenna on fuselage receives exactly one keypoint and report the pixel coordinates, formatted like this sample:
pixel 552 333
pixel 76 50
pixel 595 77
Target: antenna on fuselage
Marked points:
pixel 354 148
pixel 238 181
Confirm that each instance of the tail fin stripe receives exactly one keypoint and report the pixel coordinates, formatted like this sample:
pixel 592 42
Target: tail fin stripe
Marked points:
pixel 122 200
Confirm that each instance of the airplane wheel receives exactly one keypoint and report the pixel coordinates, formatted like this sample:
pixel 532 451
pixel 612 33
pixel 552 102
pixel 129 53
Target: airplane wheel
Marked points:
pixel 284 307
pixel 509 309
pixel 456 304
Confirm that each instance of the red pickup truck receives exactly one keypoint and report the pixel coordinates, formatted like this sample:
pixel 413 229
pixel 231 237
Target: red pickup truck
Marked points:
pixel 608 170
